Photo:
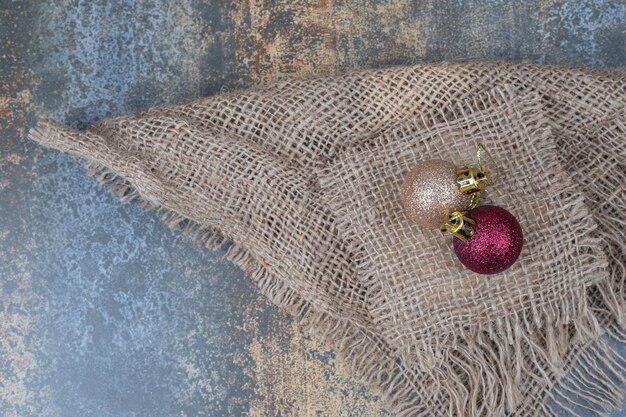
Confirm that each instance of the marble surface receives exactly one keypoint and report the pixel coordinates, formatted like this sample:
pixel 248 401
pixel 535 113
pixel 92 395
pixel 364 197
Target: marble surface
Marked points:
pixel 104 311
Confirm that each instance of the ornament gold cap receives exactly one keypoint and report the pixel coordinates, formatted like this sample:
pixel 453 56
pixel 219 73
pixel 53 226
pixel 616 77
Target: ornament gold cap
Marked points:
pixel 459 225
pixel 475 179
pixel 472 179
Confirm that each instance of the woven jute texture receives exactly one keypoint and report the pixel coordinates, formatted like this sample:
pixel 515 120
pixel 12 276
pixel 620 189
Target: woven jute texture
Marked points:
pixel 300 180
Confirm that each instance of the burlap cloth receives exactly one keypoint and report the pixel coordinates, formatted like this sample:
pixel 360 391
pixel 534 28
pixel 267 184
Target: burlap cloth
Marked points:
pixel 301 180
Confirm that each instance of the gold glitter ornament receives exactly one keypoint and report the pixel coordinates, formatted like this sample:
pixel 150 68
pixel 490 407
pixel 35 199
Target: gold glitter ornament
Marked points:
pixel 430 193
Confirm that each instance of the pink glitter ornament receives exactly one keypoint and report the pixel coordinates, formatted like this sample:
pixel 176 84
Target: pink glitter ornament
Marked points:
pixel 496 241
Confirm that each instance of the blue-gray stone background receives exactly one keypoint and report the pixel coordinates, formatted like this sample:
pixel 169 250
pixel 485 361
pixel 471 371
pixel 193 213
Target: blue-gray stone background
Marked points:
pixel 104 311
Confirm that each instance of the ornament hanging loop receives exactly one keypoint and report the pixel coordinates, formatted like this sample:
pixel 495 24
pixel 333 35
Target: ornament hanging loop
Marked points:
pixel 480 149
pixel 475 179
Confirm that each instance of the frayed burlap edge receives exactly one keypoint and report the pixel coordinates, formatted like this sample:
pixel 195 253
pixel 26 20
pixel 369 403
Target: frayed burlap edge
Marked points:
pixel 364 353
